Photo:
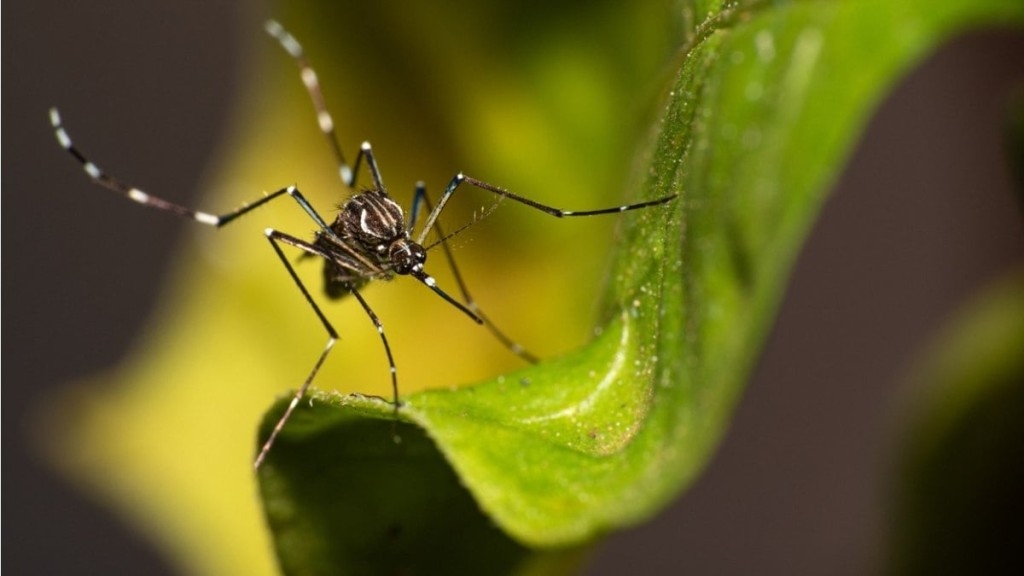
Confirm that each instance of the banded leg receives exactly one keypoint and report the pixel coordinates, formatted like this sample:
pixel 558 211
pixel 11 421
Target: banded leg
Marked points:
pixel 312 84
pixel 421 197
pixel 134 194
pixel 348 174
pixel 461 178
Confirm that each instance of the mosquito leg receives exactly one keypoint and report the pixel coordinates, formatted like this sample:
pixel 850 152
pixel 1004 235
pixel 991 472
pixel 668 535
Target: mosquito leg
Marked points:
pixel 431 283
pixel 348 174
pixel 275 237
pixel 312 84
pixel 421 197
pixel 461 178
pixel 387 347
pixel 365 150
pixel 100 177
pixel 418 198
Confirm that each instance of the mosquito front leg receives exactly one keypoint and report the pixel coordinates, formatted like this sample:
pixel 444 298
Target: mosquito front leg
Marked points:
pixel 421 198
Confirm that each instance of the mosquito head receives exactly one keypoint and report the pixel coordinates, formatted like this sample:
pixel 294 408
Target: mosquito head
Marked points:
pixel 406 256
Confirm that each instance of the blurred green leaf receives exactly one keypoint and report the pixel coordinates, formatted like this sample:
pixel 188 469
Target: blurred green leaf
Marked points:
pixel 766 103
pixel 957 506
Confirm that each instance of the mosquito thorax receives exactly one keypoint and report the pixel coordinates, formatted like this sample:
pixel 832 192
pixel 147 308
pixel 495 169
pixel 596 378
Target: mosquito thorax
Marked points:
pixel 373 220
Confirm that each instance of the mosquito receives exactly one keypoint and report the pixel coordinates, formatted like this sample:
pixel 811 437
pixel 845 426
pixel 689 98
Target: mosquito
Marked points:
pixel 369 239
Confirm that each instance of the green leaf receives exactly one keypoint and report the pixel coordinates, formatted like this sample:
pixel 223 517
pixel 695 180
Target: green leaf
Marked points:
pixel 766 103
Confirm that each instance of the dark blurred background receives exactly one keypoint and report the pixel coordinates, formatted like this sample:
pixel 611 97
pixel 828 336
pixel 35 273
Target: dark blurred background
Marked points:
pixel 925 212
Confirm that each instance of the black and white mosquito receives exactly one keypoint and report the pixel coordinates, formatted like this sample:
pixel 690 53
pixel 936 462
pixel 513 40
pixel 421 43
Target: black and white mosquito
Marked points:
pixel 370 239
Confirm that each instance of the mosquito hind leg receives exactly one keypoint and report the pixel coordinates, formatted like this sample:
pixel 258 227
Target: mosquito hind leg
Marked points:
pixel 312 84
pixel 325 121
pixel 97 175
